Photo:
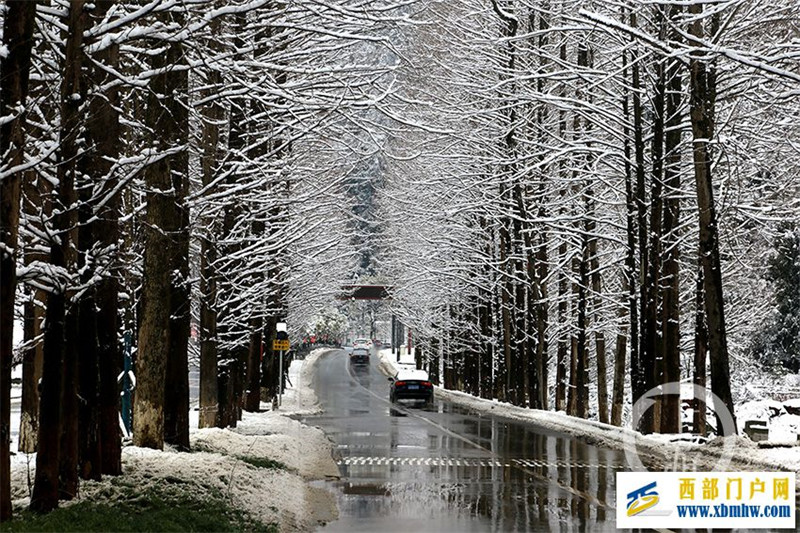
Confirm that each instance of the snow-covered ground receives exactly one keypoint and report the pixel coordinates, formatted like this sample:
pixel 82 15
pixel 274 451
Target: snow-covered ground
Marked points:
pixel 659 449
pixel 219 463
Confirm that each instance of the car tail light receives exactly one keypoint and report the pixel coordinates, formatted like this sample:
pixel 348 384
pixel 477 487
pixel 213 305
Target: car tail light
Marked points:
pixel 399 383
pixel 426 384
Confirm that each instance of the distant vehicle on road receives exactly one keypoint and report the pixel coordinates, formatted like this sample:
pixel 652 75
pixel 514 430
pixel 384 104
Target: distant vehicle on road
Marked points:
pixel 360 356
pixel 362 343
pixel 411 385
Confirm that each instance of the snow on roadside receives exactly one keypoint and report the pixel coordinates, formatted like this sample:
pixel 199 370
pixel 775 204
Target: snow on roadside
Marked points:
pixel 299 397
pixel 275 436
pixel 657 448
pixel 219 464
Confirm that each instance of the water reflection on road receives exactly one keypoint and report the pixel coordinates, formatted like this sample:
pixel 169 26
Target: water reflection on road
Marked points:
pixel 444 468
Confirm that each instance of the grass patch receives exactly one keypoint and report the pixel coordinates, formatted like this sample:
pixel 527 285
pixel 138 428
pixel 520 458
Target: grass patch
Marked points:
pixel 151 510
pixel 258 462
pixel 202 447
pixel 262 462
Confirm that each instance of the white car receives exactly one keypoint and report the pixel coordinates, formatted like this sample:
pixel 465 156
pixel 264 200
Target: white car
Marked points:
pixel 362 343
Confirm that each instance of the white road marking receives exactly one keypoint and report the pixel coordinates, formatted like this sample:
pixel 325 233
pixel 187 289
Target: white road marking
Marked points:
pixel 588 497
pixel 460 462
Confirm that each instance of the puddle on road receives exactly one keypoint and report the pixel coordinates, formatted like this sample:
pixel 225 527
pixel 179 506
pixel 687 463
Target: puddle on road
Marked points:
pixel 407 468
pixel 531 481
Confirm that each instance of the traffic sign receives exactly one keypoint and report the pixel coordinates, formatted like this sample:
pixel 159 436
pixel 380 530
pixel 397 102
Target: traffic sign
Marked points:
pixel 279 344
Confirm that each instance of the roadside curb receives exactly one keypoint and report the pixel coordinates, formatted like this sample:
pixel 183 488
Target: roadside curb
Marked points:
pixel 653 449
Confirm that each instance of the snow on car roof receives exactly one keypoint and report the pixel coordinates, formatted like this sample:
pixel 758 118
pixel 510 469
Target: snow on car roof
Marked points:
pixel 411 373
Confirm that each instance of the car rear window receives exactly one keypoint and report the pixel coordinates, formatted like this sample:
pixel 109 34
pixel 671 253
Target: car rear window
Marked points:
pixel 404 374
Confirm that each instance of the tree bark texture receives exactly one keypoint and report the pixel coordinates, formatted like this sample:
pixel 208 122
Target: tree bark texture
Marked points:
pixel 57 457
pixel 14 75
pixel 212 114
pixel 700 352
pixel 176 401
pixel 73 97
pixel 163 290
pixel 103 133
pixel 31 372
pixel 650 356
pixel 37 193
pixel 702 108
pixel 599 336
pixel 639 369
pixel 670 323
pixel 629 275
pixel 252 400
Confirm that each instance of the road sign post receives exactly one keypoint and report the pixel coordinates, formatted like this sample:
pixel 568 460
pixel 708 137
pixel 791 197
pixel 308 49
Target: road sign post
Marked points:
pixel 281 343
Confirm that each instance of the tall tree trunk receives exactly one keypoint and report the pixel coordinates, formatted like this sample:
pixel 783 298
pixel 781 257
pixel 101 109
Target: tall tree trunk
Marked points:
pixel 213 114
pixel 45 488
pixel 164 294
pixel 153 344
pixel 581 365
pixel 502 376
pixel 486 334
pixel 31 368
pixel 99 137
pixel 520 356
pixel 70 170
pixel 651 358
pixel 639 370
pixel 702 109
pixel 618 392
pixel 563 340
pixel 542 321
pixel 14 75
pixel 700 352
pixel 574 393
pixel 270 375
pixel 629 275
pixel 579 382
pixel 36 194
pixel 599 336
pixel 209 416
pixel 670 410
pixel 103 130
pixel 89 457
pixel 510 230
pixel 542 318
pixel 176 401
pixel 472 351
pixel 57 457
pixel 252 400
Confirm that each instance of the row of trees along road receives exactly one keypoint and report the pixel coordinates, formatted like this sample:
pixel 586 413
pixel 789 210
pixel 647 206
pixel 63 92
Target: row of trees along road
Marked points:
pixel 161 162
pixel 602 184
pixel 572 199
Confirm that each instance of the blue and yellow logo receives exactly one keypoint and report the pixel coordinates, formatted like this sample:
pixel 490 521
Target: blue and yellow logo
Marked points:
pixel 642 499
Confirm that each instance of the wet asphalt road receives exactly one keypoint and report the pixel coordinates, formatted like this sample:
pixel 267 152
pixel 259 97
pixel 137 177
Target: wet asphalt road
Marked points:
pixel 444 468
